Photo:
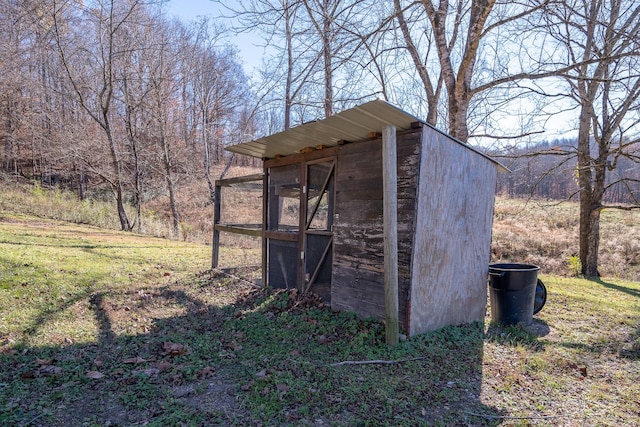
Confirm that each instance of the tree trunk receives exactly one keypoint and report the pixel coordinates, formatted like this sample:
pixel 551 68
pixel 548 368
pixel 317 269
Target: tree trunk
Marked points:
pixel 328 60
pixel 132 137
pixel 589 204
pixel 116 183
pixel 458 109
pixel 288 101
pixel 82 184
pixel 169 178
pixel 423 73
pixel 122 214
pixel 589 241
pixel 207 156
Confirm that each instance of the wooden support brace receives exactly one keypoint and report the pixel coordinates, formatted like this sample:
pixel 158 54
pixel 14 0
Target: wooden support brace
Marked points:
pixel 390 219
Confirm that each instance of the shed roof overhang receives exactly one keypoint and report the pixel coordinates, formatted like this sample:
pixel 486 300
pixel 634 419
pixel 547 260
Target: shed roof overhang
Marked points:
pixel 354 124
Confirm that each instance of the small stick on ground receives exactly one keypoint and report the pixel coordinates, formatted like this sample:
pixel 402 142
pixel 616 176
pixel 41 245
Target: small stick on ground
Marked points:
pixel 374 362
pixel 233 276
pixel 508 417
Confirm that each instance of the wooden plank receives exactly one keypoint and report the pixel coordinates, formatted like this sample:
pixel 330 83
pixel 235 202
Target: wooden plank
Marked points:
pixel 319 232
pixel 358 165
pixel 364 308
pixel 390 218
pixel 370 179
pixel 216 234
pixel 228 182
pixel 358 264
pixel 349 205
pixel 265 200
pixel 410 148
pixel 280 235
pixel 238 230
pixel 359 146
pixel 363 292
pixel 364 191
pixel 297 158
pixel 369 263
pixel 356 275
pixel 453 235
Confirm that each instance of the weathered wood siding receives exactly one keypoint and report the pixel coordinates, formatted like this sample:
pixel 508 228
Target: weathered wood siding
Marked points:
pixel 358 264
pixel 453 235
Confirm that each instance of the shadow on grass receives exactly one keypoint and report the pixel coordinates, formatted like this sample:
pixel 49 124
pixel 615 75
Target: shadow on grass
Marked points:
pixel 523 335
pixel 630 347
pixel 250 357
pixel 625 289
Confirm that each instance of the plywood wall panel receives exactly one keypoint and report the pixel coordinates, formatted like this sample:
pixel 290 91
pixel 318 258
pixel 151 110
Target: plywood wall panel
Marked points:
pixel 453 235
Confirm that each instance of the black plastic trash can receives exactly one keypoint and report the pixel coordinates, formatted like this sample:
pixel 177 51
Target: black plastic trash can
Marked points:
pixel 512 291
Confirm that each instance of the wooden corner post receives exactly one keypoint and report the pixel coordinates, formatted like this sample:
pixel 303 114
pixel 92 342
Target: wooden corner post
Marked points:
pixel 390 219
pixel 216 220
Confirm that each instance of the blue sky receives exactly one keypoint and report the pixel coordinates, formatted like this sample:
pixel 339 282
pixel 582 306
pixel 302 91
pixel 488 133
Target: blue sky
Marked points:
pixel 188 10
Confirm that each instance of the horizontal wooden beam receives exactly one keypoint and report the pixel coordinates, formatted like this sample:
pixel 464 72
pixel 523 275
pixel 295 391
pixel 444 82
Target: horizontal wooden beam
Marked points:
pixel 291 236
pixel 227 182
pixel 238 229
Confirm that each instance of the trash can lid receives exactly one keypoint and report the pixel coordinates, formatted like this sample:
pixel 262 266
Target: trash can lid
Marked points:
pixel 540 298
pixel 513 267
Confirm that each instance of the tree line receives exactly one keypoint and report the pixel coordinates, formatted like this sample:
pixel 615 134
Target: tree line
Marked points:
pixel 119 94
pixel 548 170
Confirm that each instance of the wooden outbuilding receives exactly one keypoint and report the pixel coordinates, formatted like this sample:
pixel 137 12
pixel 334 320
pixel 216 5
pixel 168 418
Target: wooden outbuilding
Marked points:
pixel 338 190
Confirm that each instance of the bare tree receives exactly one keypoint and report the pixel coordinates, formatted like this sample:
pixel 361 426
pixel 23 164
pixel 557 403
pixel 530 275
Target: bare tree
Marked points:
pixel 164 84
pixel 25 99
pixel 602 39
pixel 11 42
pixel 321 14
pixel 204 81
pixel 294 57
pixel 432 86
pixel 477 46
pixel 90 69
pixel 320 54
pixel 220 91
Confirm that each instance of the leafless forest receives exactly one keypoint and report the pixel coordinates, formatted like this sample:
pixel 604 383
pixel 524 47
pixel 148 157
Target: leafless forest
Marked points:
pixel 117 99
pixel 545 171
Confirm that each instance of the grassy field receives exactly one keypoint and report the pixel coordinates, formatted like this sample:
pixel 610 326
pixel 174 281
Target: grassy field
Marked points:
pixel 540 232
pixel 102 328
pixel 545 233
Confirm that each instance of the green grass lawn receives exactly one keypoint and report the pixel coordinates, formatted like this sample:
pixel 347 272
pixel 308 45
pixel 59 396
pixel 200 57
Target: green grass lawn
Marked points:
pixel 105 328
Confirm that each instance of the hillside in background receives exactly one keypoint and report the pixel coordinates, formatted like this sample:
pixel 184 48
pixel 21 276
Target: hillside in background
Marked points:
pixel 534 231
pixel 548 170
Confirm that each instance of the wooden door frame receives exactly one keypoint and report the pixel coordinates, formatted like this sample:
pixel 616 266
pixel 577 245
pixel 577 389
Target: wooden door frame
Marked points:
pixel 304 221
pixel 303 159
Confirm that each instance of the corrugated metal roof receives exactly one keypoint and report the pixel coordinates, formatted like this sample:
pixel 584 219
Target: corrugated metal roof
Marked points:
pixel 351 125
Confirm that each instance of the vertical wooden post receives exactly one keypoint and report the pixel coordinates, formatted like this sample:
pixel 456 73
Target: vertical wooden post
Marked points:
pixel 216 221
pixel 390 218
pixel 265 223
